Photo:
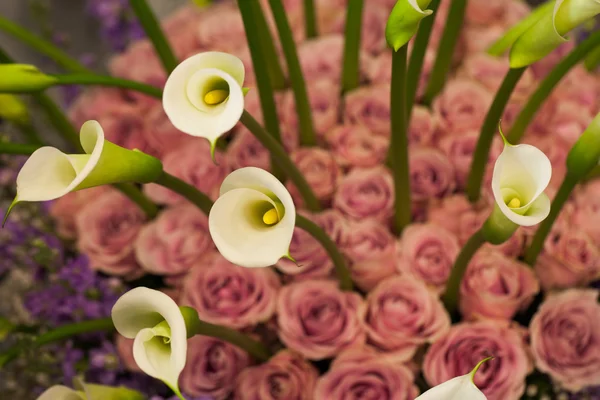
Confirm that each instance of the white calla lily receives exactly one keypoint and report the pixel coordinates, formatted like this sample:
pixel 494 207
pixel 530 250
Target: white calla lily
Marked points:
pixel 203 96
pixel 158 328
pixel 86 391
pixel 253 219
pixel 59 392
pixel 459 388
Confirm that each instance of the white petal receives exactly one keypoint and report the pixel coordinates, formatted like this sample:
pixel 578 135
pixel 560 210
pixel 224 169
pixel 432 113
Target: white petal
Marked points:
pixel 156 358
pixel 60 392
pixel 459 388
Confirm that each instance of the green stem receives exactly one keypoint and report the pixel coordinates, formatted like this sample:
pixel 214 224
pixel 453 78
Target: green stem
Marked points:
pixel 564 191
pixel 548 84
pixel 307 130
pixel 398 153
pixel 202 201
pixel 594 173
pixel 154 32
pixel 450 36
pixel 41 45
pixel 30 134
pixel 102 80
pixel 351 60
pixel 482 150
pixel 417 57
pixel 280 156
pixel 134 194
pixel 268 47
pixel 339 262
pixel 17 148
pixel 310 19
pixel 451 296
pixel 256 349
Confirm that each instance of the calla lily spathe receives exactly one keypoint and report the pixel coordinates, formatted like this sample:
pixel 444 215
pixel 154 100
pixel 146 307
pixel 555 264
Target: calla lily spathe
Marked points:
pixel 404 21
pixel 252 221
pixel 459 388
pixel 86 391
pixel 158 328
pixel 203 96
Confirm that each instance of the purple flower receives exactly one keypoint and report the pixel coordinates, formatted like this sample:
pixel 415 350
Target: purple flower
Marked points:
pixel 118 23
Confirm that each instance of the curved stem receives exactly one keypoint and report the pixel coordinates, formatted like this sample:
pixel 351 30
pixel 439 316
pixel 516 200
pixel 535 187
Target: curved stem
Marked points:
pixel 30 133
pixel 154 32
pixel 310 19
pixel 451 296
pixel 351 58
pixel 454 22
pixel 17 148
pixel 488 129
pixel 282 159
pixel 269 50
pixel 398 153
pixel 548 84
pixel 102 80
pixel 564 191
pixel 339 262
pixel 134 194
pixel 256 349
pixel 307 130
pixel 202 201
pixel 594 173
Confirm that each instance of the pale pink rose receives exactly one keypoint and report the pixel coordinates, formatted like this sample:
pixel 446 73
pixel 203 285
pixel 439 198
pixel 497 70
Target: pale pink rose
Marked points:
pixel 542 67
pixel 369 106
pixel 108 227
pixel 366 193
pixel 286 376
pixel 321 58
pixel 485 12
pixel 556 150
pixel 402 315
pixel 515 11
pixel 587 212
pixel 569 121
pixel 466 344
pixel 230 295
pixel 160 133
pixel 65 209
pixel 565 338
pixel 221 29
pixel 379 69
pixel 124 348
pixel 462 106
pixel 579 87
pixel 479 38
pixel 431 174
pixel 174 242
pixel 191 163
pixel 335 225
pixel 372 36
pixel 496 287
pixel 427 252
pixel 318 320
pixel 360 373
pixel 320 171
pixel 177 27
pixel 423 127
pixel 246 151
pixel 356 146
pixel 514 246
pixel 457 215
pixel 211 367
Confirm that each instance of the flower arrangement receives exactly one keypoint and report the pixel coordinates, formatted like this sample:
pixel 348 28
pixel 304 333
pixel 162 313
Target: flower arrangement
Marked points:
pixel 318 199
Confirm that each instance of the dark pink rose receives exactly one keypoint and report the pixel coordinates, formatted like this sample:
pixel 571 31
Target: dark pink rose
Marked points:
pixel 320 171
pixel 360 374
pixel 369 106
pixel 466 344
pixel 427 252
pixel 286 376
pixel 246 151
pixel 211 367
pixel 160 132
pixel 565 338
pixel 496 287
pixel 174 242
pixel 431 174
pixel 402 315
pixel 423 127
pixel 318 320
pixel 108 226
pixel 191 163
pixel 356 146
pixel 124 348
pixel 218 27
pixel 65 209
pixel 226 294
pixel 366 193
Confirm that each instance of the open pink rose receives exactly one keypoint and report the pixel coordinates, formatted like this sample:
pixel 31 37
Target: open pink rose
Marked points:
pixel 320 171
pixel 423 127
pixel 224 293
pixel 427 252
pixel 369 106
pixel 360 373
pixel 431 174
pixel 174 242
pixel 246 151
pixel 466 344
pixel 211 367
pixel 402 314
pixel 565 338
pixel 356 146
pixel 65 209
pixel 108 227
pixel 318 320
pixel 286 376
pixel 495 286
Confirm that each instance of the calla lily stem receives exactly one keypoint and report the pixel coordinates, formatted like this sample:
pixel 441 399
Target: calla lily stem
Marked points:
pixel 134 194
pixel 17 148
pixel 351 58
pixel 310 19
pixel 202 201
pixel 269 50
pixel 93 79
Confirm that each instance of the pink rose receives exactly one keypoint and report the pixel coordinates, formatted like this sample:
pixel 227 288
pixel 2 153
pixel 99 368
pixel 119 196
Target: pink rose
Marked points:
pixel 568 121
pixel 369 106
pixel 108 227
pixel 321 58
pixel 191 163
pixel 177 27
pixel 124 348
pixel 284 377
pixel 226 294
pixel 360 373
pixel 174 242
pixel 457 215
pixel 218 26
pixel 211 367
pixel 485 12
pixel 402 315
pixel 423 127
pixel 65 209
pixel 515 11
pixel 246 151
pixel 427 252
pixel 579 87
pixel 495 286
pixel 335 224
pixel 462 106
pixel 366 193
pixel 556 150
pixel 320 171
pixel 466 344
pixel 160 132
pixel 372 37
pixel 586 216
pixel 431 174
pixel 565 338
pixel 318 320
pixel 379 69
pixel 479 38
pixel 542 67
pixel 356 146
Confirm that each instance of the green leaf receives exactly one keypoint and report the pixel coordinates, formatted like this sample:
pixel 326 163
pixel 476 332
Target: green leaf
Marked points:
pixel 404 21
